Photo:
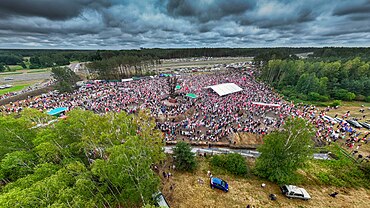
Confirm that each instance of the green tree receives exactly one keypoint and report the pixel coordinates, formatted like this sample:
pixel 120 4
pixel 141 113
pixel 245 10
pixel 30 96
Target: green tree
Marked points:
pixel 184 158
pixel 2 67
pixel 65 77
pixel 283 152
pixel 128 173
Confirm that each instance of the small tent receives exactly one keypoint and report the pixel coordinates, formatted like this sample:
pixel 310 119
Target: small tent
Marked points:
pixel 57 111
pixel 191 95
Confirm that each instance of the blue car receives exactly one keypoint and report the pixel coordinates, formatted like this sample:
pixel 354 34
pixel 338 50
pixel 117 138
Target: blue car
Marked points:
pixel 220 184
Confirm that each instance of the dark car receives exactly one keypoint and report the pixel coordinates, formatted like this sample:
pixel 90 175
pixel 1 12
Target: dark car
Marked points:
pixel 219 184
pixel 366 125
pixel 354 123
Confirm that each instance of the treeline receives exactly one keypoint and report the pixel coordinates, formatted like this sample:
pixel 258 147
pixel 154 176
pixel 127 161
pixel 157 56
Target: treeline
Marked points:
pixel 343 54
pixel 86 160
pixel 48 58
pixel 318 80
pixel 118 67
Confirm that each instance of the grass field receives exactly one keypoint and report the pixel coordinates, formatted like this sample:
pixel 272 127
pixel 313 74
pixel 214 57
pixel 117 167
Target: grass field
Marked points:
pixel 202 63
pixel 14 88
pixel 37 70
pixel 10 73
pixel 15 67
pixel 188 192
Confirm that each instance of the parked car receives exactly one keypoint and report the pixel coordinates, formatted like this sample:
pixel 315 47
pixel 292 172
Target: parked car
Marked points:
pixel 219 184
pixel 160 200
pixel 291 191
pixel 354 123
pixel 340 120
pixel 366 125
pixel 329 119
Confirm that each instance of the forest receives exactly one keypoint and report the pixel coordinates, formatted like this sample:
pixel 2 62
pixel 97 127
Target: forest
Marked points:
pixel 66 164
pixel 38 58
pixel 314 80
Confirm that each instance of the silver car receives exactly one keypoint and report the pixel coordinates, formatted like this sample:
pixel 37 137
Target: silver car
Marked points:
pixel 291 191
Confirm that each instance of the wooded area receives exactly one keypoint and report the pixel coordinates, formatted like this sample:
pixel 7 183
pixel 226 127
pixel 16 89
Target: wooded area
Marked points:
pixel 87 160
pixel 49 58
pixel 318 80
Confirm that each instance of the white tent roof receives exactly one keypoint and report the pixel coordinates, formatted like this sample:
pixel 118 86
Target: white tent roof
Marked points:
pixel 226 88
pixel 127 80
pixel 266 104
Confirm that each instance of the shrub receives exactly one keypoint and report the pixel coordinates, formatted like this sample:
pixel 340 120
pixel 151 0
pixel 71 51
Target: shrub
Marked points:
pixel 184 158
pixel 343 94
pixel 367 99
pixel 335 103
pixel 233 163
pixel 360 98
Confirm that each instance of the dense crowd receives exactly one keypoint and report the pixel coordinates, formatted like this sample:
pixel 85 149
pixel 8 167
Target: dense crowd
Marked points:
pixel 209 117
pixel 330 130
pixel 27 89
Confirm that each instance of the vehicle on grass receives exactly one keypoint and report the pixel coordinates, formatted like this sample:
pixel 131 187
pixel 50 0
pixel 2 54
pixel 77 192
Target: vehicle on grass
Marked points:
pixel 160 200
pixel 329 119
pixel 219 184
pixel 366 125
pixel 354 123
pixel 340 120
pixel 291 191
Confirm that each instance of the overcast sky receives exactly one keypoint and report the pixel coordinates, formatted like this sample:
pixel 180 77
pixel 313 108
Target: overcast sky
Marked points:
pixel 126 24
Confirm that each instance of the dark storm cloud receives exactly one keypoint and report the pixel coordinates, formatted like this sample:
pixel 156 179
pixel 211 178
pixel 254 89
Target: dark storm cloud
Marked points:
pixel 50 9
pixel 353 7
pixel 205 11
pixel 117 24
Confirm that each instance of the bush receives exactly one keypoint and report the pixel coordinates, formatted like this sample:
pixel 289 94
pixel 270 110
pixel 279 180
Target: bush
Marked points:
pixel 367 99
pixel 343 94
pixel 184 158
pixel 360 98
pixel 233 163
pixel 314 96
pixel 336 103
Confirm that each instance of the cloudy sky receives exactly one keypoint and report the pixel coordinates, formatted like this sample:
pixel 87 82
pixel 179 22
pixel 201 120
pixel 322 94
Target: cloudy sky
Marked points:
pixel 126 24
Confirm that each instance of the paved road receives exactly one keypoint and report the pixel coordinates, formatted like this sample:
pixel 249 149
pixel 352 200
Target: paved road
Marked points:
pixel 24 77
pixel 243 152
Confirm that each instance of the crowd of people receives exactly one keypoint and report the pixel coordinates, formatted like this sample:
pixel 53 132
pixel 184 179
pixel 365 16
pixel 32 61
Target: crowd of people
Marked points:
pixel 331 130
pixel 27 89
pixel 209 117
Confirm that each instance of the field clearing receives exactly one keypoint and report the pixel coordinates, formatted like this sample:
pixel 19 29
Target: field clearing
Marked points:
pixel 14 88
pixel 38 70
pixel 180 64
pixel 15 67
pixel 188 192
pixel 10 73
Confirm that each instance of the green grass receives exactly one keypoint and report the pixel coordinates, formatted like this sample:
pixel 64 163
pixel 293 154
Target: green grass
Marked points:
pixel 10 73
pixel 37 71
pixel 14 88
pixel 342 172
pixel 15 67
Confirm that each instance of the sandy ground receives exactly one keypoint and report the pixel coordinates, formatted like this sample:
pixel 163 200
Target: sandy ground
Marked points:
pixel 188 192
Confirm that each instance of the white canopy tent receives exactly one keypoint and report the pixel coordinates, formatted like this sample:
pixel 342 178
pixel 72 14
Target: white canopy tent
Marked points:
pixel 225 88
pixel 266 104
pixel 127 80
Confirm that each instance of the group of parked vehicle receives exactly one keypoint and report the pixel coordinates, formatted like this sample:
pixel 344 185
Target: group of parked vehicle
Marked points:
pixel 352 122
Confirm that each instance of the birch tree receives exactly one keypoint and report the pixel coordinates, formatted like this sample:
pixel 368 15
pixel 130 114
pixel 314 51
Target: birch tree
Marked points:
pixel 283 152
